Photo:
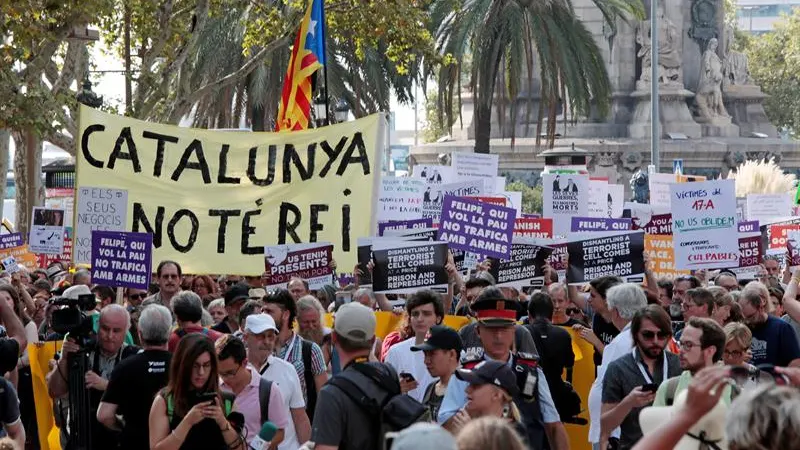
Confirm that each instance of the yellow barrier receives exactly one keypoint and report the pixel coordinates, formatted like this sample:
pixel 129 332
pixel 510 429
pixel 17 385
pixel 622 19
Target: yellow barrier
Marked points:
pixel 40 355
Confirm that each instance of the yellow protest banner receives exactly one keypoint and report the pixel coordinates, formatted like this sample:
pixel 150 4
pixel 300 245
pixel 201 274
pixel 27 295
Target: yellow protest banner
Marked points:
pixel 40 355
pixel 661 255
pixel 386 322
pixel 214 199
pixel 582 379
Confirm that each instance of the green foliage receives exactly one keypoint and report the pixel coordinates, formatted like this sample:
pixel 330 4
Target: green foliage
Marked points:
pixel 531 196
pixel 437 124
pixel 775 66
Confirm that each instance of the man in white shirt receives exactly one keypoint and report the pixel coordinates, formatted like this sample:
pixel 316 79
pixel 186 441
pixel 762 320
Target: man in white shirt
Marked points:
pixel 260 335
pixel 623 302
pixel 425 309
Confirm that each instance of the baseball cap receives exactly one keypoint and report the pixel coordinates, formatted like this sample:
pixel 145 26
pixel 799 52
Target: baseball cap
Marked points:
pixel 259 323
pixel 440 338
pixel 355 321
pixel 424 436
pixel 76 291
pixel 482 279
pixel 491 372
pixel 239 291
pixel 256 293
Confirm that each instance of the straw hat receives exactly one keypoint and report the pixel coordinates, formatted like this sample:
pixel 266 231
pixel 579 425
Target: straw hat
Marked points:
pixel 710 428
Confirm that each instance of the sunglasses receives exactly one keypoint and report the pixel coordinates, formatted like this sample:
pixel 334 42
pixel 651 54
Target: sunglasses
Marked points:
pixel 137 296
pixel 650 335
pixel 573 310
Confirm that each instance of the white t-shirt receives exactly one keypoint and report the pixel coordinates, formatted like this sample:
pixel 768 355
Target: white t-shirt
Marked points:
pixel 402 359
pixel 283 374
pixel 620 346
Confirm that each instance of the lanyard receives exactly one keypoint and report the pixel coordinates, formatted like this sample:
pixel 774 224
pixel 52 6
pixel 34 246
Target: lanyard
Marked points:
pixel 288 354
pixel 643 368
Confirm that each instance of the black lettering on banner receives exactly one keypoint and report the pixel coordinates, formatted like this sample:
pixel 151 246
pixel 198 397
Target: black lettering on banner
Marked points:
pixel 345 228
pixel 290 156
pixel 131 155
pixel 139 217
pixel 223 215
pixel 222 176
pixel 247 231
pixel 315 225
pixel 356 144
pixel 195 224
pixel 196 147
pixel 162 140
pixel 332 154
pixel 284 227
pixel 251 166
pixel 85 144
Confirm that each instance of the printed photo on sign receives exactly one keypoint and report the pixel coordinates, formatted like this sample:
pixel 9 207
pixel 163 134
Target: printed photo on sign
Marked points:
pixel 621 255
pixel 406 267
pixel 310 262
pixel 434 195
pixel 564 196
pixel 477 227
pixel 97 209
pixel 47 231
pixel 121 259
pixel 434 174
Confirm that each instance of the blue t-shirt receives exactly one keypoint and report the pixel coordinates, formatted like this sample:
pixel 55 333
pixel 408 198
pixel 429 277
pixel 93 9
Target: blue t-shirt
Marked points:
pixel 774 342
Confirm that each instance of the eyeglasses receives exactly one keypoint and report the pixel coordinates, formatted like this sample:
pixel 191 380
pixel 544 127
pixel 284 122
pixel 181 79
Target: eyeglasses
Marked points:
pixel 734 353
pixel 688 345
pixel 650 335
pixel 230 374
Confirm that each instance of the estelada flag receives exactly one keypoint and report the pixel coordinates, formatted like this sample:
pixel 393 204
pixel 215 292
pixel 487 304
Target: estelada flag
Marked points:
pixel 308 55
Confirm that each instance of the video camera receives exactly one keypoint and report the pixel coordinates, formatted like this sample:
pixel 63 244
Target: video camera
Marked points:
pixel 73 319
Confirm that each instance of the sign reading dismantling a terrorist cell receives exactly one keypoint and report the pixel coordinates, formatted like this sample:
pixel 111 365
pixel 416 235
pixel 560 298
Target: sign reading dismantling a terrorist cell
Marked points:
pixel 407 266
pixel 477 227
pixel 311 262
pixel 524 268
pixel 621 255
pixel 122 259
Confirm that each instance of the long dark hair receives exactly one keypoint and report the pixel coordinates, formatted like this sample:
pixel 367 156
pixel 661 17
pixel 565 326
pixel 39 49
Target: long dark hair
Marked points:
pixel 18 307
pixel 190 347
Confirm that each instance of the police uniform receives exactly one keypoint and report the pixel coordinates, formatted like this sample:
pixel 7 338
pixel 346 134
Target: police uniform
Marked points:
pixel 533 398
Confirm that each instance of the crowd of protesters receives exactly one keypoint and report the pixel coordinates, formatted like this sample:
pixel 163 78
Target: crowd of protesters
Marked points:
pixel 220 362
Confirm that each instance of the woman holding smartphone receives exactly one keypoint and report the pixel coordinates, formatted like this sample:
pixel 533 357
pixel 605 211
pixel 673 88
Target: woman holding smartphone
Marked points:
pixel 190 413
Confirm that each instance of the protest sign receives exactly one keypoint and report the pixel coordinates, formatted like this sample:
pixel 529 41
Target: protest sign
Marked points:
pixel 435 174
pixel 214 199
pixel 10 265
pixel 660 190
pixel 97 209
pixel 660 224
pixel 393 225
pixel 499 184
pixel 768 206
pixel 476 166
pixel 616 200
pixel 121 259
pixel 311 262
pixel 477 227
pixel 47 231
pixel 599 224
pixel 61 198
pixel 431 234
pixel 405 267
pixel 11 240
pixel 661 256
pixel 533 228
pixel 639 213
pixel 793 247
pixel 557 259
pixel 523 268
pixel 620 255
pixel 513 200
pixel 44 260
pixel 364 256
pixel 704 225
pixel 495 200
pixel 432 199
pixel 598 197
pixel 750 257
pixel 750 226
pixel 778 234
pixel 400 198
pixel 23 256
pixel 564 196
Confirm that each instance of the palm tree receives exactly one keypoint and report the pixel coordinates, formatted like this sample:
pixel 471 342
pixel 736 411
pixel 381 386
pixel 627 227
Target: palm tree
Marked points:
pixel 504 35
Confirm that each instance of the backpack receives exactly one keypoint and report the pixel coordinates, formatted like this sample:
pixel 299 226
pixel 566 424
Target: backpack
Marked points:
pixel 264 391
pixel 393 411
pixel 308 375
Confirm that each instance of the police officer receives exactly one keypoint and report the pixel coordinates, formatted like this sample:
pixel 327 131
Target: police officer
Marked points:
pixel 496 319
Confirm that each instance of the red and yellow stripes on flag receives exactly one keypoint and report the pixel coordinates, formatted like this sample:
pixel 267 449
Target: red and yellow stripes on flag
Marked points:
pixel 295 108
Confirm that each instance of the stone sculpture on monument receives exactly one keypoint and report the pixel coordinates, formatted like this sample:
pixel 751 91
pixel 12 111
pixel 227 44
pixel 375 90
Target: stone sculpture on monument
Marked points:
pixel 669 57
pixel 709 90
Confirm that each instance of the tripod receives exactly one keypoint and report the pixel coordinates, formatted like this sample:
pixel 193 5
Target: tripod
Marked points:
pixel 80 411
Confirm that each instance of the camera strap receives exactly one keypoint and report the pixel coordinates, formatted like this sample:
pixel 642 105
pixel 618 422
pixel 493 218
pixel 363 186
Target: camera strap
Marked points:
pixel 96 361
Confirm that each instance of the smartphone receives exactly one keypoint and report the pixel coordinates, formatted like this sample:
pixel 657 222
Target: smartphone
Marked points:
pixel 649 387
pixel 407 376
pixel 205 397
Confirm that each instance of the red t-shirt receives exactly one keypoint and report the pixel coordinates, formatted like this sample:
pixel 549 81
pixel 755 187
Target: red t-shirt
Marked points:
pixel 179 333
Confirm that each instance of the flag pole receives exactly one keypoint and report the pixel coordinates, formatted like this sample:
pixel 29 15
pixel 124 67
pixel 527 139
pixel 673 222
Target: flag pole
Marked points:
pixel 325 66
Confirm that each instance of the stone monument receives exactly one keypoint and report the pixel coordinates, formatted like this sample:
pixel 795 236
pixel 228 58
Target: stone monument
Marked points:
pixel 674 113
pixel 711 113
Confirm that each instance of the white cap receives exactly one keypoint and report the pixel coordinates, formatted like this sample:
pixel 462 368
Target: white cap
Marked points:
pixel 259 323
pixel 76 291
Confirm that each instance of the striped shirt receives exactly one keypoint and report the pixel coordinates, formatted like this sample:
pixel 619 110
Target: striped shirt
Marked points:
pixel 292 352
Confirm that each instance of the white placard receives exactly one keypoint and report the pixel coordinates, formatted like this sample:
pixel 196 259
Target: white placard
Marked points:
pixel 763 207
pixel 47 231
pixel 500 184
pixel 10 265
pixel 97 209
pixel 616 200
pixel 472 166
pixel 513 200
pixel 564 196
pixel 400 198
pixel 598 198
pixel 434 195
pixel 434 174
pixel 704 226
pixel 660 189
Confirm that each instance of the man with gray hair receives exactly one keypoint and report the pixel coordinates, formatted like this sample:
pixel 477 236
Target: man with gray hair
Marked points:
pixel 624 300
pixel 136 380
pixel 188 309
pixel 774 341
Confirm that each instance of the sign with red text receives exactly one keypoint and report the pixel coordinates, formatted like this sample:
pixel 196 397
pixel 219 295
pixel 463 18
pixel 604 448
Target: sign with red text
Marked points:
pixel 526 227
pixel 311 262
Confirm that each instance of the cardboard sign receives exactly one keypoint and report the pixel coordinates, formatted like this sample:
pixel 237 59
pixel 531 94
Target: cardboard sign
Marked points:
pixel 398 225
pixel 620 255
pixel 311 262
pixel 564 197
pixel 400 198
pixel 477 166
pixel 599 224
pixel 434 195
pixel 11 240
pixel 523 268
pixel 97 209
pixel 121 259
pixel 477 227
pixel 661 256
pixel 704 225
pixel 405 267
pixel 533 228
pixel 47 231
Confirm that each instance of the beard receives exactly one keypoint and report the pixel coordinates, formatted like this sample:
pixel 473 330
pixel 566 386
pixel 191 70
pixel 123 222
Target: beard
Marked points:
pixel 314 335
pixel 652 352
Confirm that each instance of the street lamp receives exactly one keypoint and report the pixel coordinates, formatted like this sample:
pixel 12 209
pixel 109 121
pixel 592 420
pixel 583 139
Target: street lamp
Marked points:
pixel 341 111
pixel 87 96
pixel 320 110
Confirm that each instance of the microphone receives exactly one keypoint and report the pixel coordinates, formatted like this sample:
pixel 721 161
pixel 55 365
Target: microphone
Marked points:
pixel 264 437
pixel 236 420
